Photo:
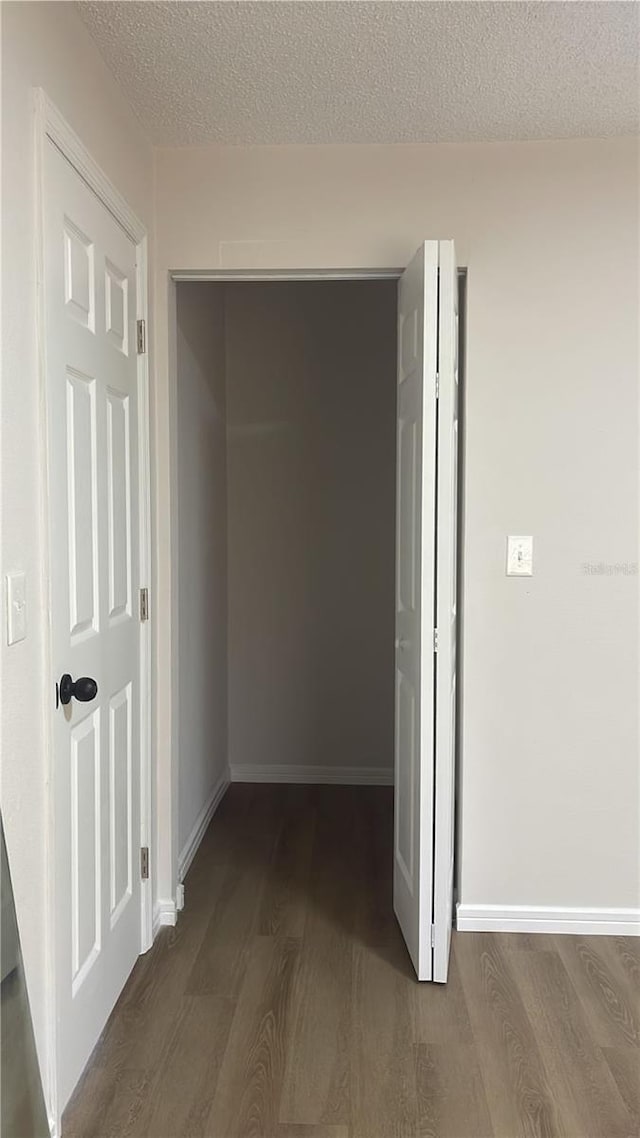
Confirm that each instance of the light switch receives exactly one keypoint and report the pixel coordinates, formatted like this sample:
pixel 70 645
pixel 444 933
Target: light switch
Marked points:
pixel 519 556
pixel 16 607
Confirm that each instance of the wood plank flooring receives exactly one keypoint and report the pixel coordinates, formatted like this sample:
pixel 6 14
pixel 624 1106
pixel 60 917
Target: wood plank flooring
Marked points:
pixel 284 1005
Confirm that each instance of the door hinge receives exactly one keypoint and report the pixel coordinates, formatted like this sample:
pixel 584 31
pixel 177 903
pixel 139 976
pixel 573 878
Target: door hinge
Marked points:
pixel 433 936
pixel 435 640
pixel 144 604
pixel 437 385
pixel 144 862
pixel 141 332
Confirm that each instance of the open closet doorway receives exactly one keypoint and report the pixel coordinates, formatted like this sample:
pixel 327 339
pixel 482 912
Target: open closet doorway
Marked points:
pixel 316 439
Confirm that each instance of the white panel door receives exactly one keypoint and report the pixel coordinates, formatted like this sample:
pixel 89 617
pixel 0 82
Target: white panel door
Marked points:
pixel 446 608
pixel 92 408
pixel 414 668
pixel 425 673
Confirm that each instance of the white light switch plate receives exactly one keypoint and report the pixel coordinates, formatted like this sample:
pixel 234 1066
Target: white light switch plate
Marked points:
pixel 16 607
pixel 519 556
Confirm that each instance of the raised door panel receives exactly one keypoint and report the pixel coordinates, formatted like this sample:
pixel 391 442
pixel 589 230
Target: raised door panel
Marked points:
pixel 85 811
pixel 408 489
pixel 82 507
pixel 408 335
pixel 119 504
pixel 120 802
pixel 406 740
pixel 79 275
pixel 116 292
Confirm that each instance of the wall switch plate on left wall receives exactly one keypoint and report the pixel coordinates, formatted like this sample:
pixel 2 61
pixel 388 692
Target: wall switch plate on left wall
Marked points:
pixel 16 596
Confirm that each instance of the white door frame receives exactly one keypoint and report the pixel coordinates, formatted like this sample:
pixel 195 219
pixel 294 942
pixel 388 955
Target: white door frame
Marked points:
pixel 52 127
pixel 229 275
pixel 220 276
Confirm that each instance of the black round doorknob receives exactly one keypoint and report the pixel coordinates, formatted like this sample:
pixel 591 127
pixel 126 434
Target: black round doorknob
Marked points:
pixel 84 689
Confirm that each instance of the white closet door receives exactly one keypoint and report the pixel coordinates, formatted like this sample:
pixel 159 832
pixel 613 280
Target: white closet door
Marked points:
pixel 414 666
pixel 446 609
pixel 425 671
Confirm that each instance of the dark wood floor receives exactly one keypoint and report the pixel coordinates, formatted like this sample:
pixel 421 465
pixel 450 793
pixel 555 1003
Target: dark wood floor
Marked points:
pixel 283 1005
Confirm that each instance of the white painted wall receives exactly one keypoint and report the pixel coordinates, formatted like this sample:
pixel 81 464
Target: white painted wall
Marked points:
pixel 42 45
pixel 202 566
pixel 549 232
pixel 311 393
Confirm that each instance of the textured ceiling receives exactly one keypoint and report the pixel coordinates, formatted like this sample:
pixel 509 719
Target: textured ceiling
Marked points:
pixel 347 71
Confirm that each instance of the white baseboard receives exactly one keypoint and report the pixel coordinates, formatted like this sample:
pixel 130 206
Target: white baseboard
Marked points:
pixel 165 912
pixel 188 851
pixel 547 919
pixel 339 776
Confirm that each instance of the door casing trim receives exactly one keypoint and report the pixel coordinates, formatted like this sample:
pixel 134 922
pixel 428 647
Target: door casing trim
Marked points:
pixel 168 677
pixel 51 126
